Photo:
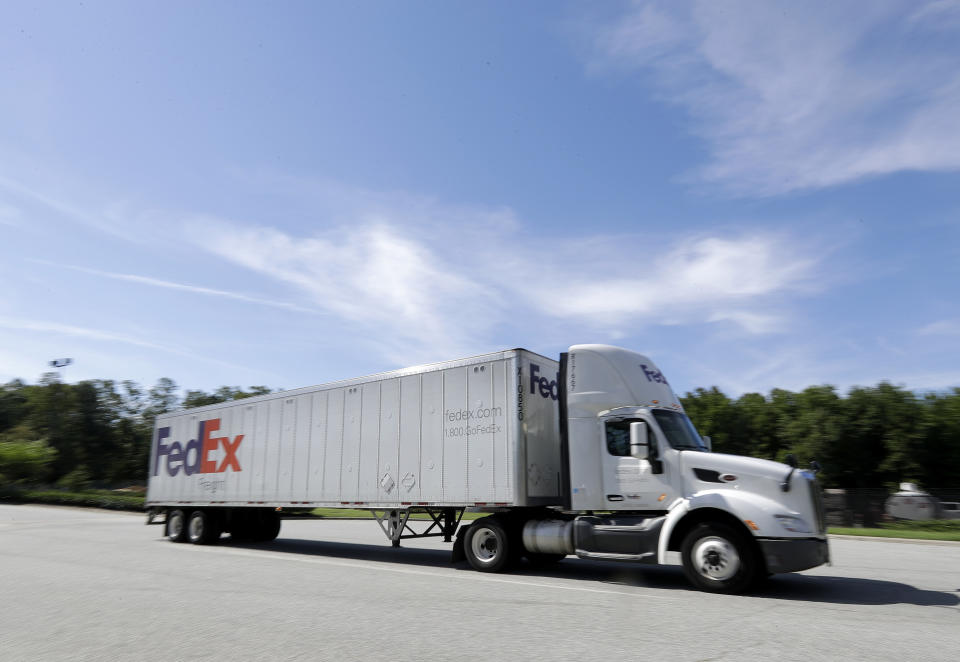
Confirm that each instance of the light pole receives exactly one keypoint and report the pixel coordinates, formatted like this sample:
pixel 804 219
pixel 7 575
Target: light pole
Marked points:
pixel 59 364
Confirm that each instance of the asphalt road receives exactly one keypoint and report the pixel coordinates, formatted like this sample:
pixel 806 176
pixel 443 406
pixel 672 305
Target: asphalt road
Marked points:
pixel 95 585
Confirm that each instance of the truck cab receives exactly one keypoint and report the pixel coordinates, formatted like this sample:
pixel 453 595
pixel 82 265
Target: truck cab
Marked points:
pixel 639 482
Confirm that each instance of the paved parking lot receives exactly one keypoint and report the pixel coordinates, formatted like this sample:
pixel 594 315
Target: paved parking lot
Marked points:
pixel 95 585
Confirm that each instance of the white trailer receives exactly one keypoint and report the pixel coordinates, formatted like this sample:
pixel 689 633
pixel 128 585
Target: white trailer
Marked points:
pixel 592 455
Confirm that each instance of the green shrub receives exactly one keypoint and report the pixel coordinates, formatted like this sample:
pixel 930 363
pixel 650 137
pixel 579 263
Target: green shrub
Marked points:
pixel 77 480
pixel 24 458
pixel 88 498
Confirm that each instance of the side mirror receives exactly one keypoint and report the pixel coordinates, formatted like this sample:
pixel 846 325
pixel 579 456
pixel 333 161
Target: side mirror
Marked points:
pixel 708 442
pixel 639 441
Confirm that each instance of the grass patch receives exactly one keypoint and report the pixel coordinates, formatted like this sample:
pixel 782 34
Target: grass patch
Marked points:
pixel 86 498
pixel 944 525
pixel 934 531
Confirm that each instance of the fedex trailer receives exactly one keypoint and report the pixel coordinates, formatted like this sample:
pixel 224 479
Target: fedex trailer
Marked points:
pixel 591 455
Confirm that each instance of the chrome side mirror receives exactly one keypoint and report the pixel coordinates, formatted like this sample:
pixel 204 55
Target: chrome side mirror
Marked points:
pixel 708 442
pixel 639 440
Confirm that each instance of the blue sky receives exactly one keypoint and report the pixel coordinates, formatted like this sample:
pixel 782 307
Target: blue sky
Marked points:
pixel 757 194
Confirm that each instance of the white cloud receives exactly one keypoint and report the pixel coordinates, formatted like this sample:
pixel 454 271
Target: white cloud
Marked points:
pixel 195 289
pixel 939 14
pixel 941 328
pixel 9 215
pixel 375 275
pixel 795 96
pixel 101 336
pixel 695 280
pixel 424 290
pixel 81 332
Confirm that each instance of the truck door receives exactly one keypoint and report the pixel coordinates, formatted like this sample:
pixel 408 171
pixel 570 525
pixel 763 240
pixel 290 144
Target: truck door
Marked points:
pixel 631 483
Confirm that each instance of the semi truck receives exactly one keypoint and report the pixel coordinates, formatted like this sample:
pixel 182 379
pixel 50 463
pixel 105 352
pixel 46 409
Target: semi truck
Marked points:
pixel 592 455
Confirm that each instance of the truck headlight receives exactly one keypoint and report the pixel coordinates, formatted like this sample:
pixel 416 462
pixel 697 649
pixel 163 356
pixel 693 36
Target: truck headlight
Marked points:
pixel 793 523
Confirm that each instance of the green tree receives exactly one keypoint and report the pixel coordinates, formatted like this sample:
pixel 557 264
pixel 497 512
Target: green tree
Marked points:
pixel 813 426
pixel 222 394
pixel 24 456
pixel 716 416
pixel 939 455
pixel 51 405
pixel 13 404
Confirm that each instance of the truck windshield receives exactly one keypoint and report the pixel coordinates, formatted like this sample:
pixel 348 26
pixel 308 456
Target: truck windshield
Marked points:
pixel 679 430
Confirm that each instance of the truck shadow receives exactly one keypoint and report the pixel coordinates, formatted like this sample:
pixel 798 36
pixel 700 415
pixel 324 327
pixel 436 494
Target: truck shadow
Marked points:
pixel 793 586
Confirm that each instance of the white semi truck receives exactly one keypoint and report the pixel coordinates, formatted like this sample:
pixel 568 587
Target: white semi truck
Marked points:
pixel 592 455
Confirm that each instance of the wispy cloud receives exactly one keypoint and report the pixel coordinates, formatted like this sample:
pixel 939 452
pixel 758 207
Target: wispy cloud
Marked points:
pixel 446 290
pixel 104 336
pixel 82 332
pixel 691 280
pixel 193 289
pixel 797 96
pixel 375 276
pixel 415 278
pixel 10 215
pixel 941 328
pixel 116 217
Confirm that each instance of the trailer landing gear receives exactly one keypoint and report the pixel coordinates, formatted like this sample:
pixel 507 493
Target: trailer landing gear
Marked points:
pixel 396 524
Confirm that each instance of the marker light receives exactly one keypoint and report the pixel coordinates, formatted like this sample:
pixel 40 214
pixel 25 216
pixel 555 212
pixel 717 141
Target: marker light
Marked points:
pixel 793 524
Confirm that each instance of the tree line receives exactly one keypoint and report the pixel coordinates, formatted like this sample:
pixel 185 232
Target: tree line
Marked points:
pixel 92 433
pixel 871 437
pixel 98 432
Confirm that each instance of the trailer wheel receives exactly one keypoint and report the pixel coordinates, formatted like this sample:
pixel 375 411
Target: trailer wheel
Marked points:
pixel 176 525
pixel 267 526
pixel 240 525
pixel 202 528
pixel 488 546
pixel 717 558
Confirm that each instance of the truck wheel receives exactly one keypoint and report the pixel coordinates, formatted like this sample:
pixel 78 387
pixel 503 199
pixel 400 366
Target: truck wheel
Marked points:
pixel 202 528
pixel 717 558
pixel 176 525
pixel 488 546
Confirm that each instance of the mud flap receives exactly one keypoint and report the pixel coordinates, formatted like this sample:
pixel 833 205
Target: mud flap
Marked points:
pixel 458 555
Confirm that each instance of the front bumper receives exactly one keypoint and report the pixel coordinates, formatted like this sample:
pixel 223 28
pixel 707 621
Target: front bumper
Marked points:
pixel 793 554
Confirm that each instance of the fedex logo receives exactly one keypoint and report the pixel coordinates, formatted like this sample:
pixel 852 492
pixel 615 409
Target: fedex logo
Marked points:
pixel 547 388
pixel 178 456
pixel 653 375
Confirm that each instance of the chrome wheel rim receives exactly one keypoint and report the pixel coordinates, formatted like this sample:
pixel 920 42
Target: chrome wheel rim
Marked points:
pixel 175 527
pixel 716 558
pixel 484 545
pixel 196 527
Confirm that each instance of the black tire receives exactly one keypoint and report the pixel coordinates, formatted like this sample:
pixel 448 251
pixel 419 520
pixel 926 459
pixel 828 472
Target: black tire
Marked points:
pixel 267 526
pixel 240 524
pixel 719 559
pixel 176 525
pixel 489 547
pixel 203 528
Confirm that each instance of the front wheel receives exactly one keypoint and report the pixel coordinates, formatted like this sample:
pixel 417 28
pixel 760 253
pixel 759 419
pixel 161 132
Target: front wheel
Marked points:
pixel 719 559
pixel 488 546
